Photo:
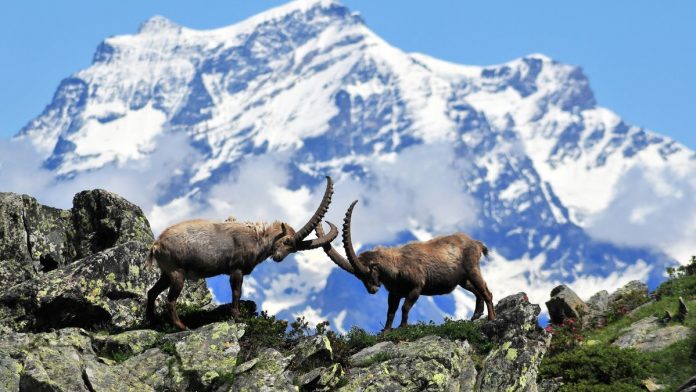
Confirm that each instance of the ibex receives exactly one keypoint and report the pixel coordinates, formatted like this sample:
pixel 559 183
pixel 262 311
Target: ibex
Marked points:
pixel 198 249
pixel 432 267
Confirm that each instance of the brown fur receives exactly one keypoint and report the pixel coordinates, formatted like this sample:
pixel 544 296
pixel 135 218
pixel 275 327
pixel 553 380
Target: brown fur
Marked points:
pixel 431 267
pixel 197 249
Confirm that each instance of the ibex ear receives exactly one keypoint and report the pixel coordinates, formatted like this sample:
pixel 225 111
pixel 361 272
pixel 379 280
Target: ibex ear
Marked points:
pixel 283 232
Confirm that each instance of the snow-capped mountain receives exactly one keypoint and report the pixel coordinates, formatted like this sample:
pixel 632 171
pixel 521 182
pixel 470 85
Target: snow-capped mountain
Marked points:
pixel 248 119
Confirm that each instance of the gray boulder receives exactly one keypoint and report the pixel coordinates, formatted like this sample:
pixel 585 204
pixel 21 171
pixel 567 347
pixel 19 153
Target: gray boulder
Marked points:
pixel 649 334
pixel 521 344
pixel 81 267
pixel 38 238
pixel 565 304
pixel 430 363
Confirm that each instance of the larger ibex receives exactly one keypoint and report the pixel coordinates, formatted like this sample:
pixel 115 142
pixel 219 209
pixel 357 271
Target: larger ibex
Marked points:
pixel 432 267
pixel 198 249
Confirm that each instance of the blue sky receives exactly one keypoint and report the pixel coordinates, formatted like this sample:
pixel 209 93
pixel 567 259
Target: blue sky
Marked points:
pixel 640 55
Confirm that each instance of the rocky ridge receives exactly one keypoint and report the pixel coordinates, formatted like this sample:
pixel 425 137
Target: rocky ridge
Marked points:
pixel 78 326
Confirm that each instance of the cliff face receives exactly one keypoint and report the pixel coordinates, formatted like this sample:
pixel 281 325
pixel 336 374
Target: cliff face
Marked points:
pixel 71 319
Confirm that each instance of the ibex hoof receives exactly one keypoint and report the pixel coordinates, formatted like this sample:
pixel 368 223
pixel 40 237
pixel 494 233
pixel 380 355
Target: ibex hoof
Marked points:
pixel 476 316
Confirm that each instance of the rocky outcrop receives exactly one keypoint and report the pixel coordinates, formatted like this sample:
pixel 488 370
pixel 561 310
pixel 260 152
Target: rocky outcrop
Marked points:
pixel 649 334
pixel 73 321
pixel 37 238
pixel 520 346
pixel 82 267
pixel 565 304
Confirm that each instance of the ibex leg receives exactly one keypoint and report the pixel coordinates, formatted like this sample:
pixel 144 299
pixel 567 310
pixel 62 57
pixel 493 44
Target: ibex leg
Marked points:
pixel 175 287
pixel 479 299
pixel 394 300
pixel 411 299
pixel 236 280
pixel 152 294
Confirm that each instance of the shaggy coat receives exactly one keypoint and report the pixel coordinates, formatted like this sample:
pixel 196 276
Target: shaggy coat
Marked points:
pixel 197 249
pixel 431 267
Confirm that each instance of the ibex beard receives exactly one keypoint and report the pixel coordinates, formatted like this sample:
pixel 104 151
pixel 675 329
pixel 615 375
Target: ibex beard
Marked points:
pixel 197 249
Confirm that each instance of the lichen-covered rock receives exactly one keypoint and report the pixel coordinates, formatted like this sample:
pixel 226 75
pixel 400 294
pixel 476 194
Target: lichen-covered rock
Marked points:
pixel 127 343
pixel 10 371
pixel 649 335
pixel 322 378
pixel 565 304
pixel 35 238
pixel 210 352
pixel 367 355
pixel 267 372
pixel 427 364
pixel 311 348
pixel 100 377
pixel 60 361
pixel 103 219
pixel 513 364
pixel 106 290
pixel 159 370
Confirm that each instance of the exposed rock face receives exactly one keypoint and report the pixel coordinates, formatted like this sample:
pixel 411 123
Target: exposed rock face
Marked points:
pixel 73 359
pixel 77 268
pixel 598 309
pixel 521 345
pixel 36 238
pixel 430 363
pixel 565 304
pixel 649 334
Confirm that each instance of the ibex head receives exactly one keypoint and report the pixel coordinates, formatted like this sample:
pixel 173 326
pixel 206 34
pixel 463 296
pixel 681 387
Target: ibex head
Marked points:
pixel 288 240
pixel 365 267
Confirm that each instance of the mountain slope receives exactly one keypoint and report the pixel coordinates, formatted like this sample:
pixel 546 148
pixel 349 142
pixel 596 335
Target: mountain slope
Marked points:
pixel 519 155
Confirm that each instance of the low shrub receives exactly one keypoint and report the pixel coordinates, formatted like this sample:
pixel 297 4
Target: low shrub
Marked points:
pixel 597 368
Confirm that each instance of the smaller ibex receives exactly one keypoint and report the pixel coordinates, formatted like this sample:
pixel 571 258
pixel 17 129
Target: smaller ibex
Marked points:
pixel 199 249
pixel 432 267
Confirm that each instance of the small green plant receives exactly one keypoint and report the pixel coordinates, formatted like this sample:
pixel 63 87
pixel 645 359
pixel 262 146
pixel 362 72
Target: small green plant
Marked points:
pixel 298 328
pixel 168 347
pixel 262 331
pixel 117 356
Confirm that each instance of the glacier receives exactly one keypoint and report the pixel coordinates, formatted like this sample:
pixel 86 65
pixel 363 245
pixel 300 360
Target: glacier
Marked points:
pixel 246 120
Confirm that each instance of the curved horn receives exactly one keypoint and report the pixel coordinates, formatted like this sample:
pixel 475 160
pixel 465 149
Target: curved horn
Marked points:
pixel 348 244
pixel 321 240
pixel 318 214
pixel 333 253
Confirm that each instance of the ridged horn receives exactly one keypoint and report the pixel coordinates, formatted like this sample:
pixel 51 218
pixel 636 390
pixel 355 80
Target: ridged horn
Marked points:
pixel 318 214
pixel 333 254
pixel 321 240
pixel 348 244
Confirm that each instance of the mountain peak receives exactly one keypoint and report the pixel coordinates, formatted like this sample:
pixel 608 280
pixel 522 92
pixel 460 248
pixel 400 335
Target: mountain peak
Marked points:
pixel 158 23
